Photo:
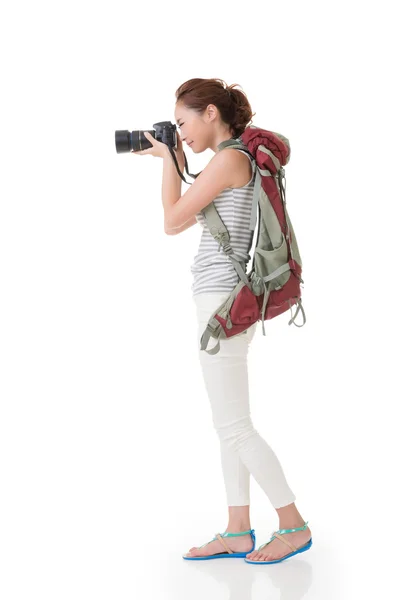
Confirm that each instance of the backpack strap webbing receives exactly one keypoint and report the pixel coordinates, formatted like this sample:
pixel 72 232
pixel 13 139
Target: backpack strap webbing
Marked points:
pixel 216 225
pixel 221 235
pixel 236 143
pixel 209 331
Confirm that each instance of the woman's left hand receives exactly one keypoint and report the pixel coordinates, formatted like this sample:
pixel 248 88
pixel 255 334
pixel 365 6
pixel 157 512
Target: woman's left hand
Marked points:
pixel 157 149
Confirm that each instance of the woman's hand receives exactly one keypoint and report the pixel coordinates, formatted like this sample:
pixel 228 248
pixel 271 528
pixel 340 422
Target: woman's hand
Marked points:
pixel 157 149
pixel 161 150
pixel 179 152
pixel 179 146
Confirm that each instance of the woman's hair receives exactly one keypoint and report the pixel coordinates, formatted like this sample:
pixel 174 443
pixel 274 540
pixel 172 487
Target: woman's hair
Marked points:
pixel 233 105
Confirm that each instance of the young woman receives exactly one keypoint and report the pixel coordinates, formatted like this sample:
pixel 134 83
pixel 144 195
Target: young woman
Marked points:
pixel 208 112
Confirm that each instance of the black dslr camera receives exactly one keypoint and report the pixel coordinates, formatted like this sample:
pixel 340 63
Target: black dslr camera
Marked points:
pixel 164 131
pixel 126 141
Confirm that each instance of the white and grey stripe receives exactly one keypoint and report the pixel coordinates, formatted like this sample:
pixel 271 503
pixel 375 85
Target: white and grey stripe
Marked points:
pixel 213 271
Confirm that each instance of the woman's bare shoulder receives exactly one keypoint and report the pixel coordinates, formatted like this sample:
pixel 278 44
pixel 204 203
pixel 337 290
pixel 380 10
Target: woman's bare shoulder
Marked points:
pixel 243 170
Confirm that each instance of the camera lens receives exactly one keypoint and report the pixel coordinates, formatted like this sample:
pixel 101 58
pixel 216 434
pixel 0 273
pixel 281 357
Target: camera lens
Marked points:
pixel 126 141
pixel 122 141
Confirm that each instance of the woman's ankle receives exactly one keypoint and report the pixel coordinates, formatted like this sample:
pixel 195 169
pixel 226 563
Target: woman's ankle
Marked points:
pixel 289 517
pixel 238 518
pixel 292 524
pixel 238 527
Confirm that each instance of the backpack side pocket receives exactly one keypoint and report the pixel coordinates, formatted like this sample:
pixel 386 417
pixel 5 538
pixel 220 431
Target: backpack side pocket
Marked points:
pixel 267 261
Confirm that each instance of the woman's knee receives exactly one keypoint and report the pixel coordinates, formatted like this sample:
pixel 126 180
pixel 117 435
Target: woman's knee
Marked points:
pixel 235 434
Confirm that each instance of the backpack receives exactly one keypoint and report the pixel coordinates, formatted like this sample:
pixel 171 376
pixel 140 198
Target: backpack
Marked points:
pixel 272 285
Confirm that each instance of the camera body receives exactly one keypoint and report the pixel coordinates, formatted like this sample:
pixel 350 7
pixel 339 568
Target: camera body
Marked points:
pixel 126 141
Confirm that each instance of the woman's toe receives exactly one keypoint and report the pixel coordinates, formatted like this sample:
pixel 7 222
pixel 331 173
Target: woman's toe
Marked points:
pixel 263 556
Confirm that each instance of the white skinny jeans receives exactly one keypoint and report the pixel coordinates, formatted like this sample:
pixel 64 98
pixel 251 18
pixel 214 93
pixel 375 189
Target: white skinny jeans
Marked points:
pixel 243 450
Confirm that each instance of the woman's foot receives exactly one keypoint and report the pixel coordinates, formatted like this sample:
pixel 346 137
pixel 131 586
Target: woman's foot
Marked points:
pixel 240 543
pixel 278 549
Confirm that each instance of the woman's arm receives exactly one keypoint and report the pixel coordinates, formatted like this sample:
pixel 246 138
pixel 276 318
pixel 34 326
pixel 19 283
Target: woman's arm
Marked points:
pixel 186 225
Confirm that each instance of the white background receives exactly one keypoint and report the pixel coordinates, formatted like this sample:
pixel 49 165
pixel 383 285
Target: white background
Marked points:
pixel 110 466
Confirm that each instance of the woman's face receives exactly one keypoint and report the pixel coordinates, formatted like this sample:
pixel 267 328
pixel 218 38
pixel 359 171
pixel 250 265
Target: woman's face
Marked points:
pixel 192 127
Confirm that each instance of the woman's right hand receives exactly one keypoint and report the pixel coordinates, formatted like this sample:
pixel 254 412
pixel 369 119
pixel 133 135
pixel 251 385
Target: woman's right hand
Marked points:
pixel 179 152
pixel 179 145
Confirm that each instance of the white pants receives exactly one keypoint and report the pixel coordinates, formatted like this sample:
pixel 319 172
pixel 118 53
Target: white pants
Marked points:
pixel 243 450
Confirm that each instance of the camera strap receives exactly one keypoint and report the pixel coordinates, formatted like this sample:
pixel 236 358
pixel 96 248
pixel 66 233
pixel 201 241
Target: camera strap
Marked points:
pixel 186 167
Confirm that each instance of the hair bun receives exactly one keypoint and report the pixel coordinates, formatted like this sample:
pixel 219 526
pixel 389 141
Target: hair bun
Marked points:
pixel 197 94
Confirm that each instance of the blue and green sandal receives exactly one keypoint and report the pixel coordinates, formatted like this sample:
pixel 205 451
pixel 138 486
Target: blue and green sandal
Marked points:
pixel 228 552
pixel 278 534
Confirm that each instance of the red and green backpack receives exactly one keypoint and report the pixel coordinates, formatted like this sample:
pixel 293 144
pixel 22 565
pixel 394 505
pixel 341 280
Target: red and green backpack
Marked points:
pixel 272 286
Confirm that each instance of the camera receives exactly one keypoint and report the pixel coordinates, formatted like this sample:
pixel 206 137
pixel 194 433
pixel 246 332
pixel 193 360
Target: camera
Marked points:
pixel 134 141
pixel 164 131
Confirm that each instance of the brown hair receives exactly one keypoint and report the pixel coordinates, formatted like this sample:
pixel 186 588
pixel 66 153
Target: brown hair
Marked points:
pixel 233 105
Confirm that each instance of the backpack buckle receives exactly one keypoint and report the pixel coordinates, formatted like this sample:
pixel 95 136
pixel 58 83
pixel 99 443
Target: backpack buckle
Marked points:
pixel 213 324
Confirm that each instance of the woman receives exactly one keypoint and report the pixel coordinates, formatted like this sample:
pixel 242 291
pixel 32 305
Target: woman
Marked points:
pixel 208 112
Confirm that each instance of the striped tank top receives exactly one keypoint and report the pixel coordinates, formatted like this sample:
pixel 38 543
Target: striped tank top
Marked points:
pixel 213 271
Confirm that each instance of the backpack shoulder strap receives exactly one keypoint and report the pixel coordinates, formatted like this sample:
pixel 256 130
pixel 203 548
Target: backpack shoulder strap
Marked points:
pixel 216 225
pixel 234 143
pixel 237 143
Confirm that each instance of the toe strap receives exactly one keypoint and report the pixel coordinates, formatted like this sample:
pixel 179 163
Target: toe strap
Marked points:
pixel 219 537
pixel 278 535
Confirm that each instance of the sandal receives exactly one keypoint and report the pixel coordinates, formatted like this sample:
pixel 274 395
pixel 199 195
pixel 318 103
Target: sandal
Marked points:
pixel 228 552
pixel 277 534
